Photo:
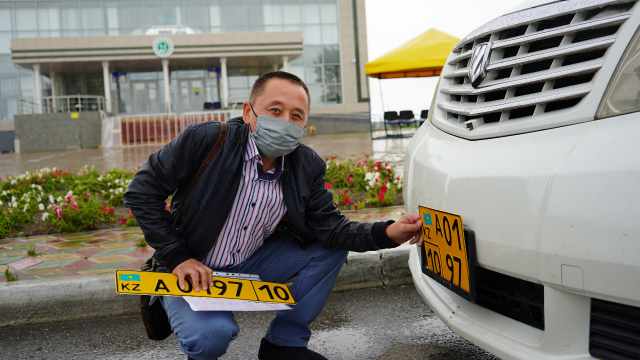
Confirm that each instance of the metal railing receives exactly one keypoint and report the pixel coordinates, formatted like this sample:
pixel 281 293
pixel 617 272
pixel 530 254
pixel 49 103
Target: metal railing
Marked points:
pixel 25 106
pixel 155 129
pixel 58 104
pixel 72 103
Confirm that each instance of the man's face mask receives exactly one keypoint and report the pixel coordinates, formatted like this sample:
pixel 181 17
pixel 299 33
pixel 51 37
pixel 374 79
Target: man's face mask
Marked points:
pixel 276 137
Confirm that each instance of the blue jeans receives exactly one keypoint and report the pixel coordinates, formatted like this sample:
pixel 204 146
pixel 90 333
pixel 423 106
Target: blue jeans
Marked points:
pixel 205 335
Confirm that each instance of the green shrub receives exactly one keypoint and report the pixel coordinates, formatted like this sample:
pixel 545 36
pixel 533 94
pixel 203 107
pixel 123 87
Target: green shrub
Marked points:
pixel 79 213
pixel 31 251
pixel 9 276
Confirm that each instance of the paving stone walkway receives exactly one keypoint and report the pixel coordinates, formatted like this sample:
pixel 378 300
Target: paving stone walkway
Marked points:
pixel 102 251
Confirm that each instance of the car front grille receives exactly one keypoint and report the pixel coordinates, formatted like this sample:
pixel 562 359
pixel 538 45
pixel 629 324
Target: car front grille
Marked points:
pixel 614 331
pixel 512 297
pixel 543 64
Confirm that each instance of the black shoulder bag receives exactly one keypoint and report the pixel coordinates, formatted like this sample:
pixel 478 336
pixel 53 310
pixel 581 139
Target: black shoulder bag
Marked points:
pixel 154 318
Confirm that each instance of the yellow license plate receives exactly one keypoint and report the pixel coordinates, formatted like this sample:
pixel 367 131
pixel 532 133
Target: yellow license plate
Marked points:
pixel 157 283
pixel 447 255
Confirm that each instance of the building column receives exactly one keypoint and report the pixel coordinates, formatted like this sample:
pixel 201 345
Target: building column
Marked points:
pixel 37 89
pixel 54 91
pixel 285 62
pixel 224 80
pixel 106 79
pixel 167 85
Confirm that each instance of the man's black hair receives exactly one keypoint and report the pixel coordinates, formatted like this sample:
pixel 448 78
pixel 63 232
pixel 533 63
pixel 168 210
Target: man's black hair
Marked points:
pixel 258 86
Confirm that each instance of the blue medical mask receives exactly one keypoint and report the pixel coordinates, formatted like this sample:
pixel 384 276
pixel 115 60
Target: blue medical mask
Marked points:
pixel 276 137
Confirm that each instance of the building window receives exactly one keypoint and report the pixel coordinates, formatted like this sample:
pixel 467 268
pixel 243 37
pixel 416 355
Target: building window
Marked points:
pixel 292 14
pixel 26 20
pixel 235 16
pixel 272 15
pixel 162 13
pixel 196 16
pixel 321 59
pixel 93 19
pixel 5 19
pixel 49 22
pixel 311 13
pixel 71 22
pixel 328 13
pixel 5 42
pixel 312 35
pixel 113 25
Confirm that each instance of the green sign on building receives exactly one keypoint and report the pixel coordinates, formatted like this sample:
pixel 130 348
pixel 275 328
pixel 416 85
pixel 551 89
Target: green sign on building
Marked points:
pixel 163 47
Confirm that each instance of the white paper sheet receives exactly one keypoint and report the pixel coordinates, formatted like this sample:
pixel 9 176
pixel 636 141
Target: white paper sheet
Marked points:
pixel 213 304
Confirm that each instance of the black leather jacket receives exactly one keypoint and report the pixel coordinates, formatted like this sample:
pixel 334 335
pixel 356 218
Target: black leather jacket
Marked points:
pixel 192 227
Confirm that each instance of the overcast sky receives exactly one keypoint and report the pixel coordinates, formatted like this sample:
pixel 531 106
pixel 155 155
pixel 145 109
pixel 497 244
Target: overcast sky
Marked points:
pixel 392 23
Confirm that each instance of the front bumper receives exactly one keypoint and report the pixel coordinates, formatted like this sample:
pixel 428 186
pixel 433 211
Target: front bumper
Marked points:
pixel 566 333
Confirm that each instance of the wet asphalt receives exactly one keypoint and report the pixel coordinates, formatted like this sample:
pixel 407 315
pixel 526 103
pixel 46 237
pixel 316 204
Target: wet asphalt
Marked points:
pixel 389 323
pixel 350 145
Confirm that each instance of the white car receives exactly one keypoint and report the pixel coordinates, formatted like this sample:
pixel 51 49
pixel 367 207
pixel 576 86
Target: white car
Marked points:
pixel 527 175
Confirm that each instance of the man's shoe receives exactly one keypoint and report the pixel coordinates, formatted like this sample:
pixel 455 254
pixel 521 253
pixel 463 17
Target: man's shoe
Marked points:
pixel 269 351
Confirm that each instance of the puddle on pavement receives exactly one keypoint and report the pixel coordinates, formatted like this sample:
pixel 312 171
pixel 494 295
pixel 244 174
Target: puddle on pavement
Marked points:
pixel 331 320
pixel 345 343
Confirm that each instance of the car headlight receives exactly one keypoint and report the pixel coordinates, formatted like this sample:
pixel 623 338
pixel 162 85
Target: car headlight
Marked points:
pixel 622 95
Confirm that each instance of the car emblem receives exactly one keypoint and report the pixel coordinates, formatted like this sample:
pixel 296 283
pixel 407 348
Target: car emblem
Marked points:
pixel 479 61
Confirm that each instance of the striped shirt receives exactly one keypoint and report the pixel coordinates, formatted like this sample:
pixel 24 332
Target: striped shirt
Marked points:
pixel 257 209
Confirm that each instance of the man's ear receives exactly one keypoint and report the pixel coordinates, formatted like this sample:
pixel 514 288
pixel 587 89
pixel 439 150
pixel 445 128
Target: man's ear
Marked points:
pixel 248 117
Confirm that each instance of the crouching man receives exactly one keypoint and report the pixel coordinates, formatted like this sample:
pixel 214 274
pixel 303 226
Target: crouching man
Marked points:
pixel 260 207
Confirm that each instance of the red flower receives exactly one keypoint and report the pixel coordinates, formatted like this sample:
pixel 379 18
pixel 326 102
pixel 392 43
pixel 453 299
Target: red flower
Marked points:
pixel 377 165
pixel 57 173
pixel 328 186
pixel 346 199
pixel 108 210
pixel 58 211
pixel 382 192
pixel 122 220
pixel 350 179
pixel 74 205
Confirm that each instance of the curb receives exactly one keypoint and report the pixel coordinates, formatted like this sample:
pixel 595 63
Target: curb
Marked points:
pixel 37 301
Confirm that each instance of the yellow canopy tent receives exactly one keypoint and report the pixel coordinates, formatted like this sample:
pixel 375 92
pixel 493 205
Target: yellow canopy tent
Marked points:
pixel 421 57
pixel 424 56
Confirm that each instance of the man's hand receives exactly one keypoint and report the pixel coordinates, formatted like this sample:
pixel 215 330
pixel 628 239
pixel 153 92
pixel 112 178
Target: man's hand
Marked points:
pixel 406 228
pixel 198 273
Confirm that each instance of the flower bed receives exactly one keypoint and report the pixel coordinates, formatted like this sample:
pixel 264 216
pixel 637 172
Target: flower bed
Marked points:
pixel 362 184
pixel 54 200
